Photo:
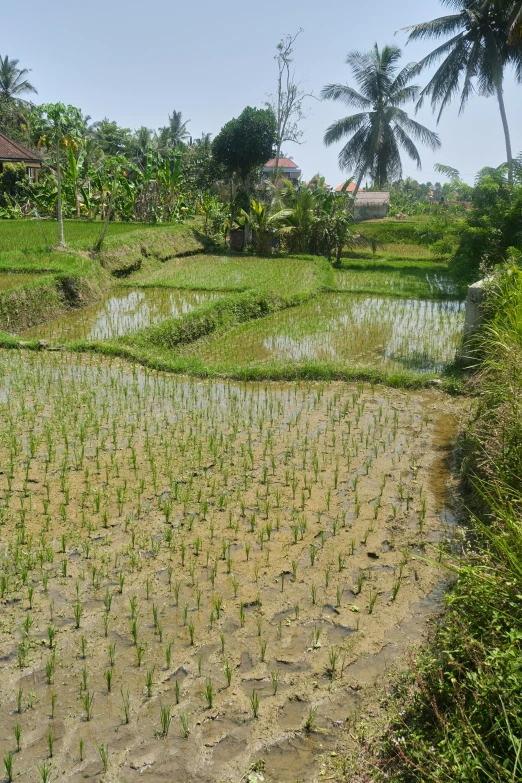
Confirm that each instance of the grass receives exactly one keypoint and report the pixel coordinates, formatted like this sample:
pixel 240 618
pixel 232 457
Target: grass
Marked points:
pixel 272 275
pixel 39 235
pixel 461 708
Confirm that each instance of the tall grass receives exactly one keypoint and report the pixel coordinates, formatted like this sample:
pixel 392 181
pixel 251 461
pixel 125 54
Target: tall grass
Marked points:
pixel 463 720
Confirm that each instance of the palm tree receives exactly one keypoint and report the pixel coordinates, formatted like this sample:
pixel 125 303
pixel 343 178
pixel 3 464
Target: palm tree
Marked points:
pixel 176 131
pixel 482 42
pixel 13 81
pixel 379 131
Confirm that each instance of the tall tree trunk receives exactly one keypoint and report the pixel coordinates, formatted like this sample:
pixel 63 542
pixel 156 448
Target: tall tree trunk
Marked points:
pixel 59 215
pixel 502 107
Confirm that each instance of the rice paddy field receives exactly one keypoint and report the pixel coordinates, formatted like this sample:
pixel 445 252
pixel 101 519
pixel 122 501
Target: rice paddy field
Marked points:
pixel 210 579
pixel 196 575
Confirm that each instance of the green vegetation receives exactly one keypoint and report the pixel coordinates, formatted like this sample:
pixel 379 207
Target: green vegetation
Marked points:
pixel 462 719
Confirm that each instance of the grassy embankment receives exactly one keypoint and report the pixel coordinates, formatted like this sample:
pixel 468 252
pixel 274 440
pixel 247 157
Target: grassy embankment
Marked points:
pixel 60 280
pixel 462 704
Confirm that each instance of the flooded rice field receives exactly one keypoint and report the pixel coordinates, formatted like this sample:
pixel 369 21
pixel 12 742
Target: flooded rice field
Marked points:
pixel 416 334
pixel 195 576
pixel 122 311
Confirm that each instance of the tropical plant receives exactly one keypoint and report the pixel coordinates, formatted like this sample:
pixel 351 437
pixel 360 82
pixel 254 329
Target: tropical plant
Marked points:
pixel 242 145
pixel 379 131
pixel 480 46
pixel 175 132
pixel 264 223
pixel 13 80
pixel 56 126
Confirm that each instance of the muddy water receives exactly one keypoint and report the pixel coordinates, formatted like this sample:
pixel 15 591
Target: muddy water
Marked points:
pixel 14 279
pixel 258 480
pixel 120 312
pixel 422 335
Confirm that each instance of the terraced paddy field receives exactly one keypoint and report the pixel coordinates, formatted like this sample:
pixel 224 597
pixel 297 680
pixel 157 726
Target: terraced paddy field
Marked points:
pixel 199 575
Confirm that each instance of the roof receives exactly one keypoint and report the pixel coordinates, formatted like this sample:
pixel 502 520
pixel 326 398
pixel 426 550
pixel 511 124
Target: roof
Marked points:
pixel 373 197
pixel 284 163
pixel 350 189
pixel 12 151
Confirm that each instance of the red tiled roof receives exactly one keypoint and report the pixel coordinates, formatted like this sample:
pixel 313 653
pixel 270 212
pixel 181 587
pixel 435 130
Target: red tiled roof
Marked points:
pixel 284 163
pixel 11 150
pixel 349 189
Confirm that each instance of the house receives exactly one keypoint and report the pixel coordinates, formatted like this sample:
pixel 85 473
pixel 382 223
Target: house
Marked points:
pixel 350 189
pixel 371 205
pixel 287 169
pixel 13 152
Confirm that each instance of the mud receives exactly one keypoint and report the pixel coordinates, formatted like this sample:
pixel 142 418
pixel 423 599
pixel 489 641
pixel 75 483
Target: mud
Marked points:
pixel 277 524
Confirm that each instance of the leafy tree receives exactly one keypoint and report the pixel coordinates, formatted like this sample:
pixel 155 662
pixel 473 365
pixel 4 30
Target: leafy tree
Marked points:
pixel 244 144
pixel 379 131
pixel 112 140
pixel 14 183
pixel 56 126
pixel 480 46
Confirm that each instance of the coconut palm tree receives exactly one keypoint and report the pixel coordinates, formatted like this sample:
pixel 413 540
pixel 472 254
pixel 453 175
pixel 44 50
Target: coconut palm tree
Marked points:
pixel 382 128
pixel 176 131
pixel 481 43
pixel 13 81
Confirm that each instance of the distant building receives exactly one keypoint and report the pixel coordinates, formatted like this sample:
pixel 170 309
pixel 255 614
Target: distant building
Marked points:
pixel 286 169
pixel 371 205
pixel 350 189
pixel 13 152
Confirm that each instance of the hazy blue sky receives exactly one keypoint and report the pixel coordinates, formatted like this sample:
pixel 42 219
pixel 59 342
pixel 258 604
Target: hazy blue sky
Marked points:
pixel 136 61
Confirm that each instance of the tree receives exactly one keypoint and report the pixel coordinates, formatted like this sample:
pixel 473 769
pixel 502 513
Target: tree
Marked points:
pixel 175 132
pixel 243 144
pixel 13 81
pixel 382 128
pixel 111 139
pixel 287 103
pixel 56 126
pixel 481 45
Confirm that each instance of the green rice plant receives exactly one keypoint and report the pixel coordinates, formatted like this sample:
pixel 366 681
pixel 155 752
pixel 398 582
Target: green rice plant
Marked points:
pixel 44 770
pixel 112 654
pixel 103 750
pixel 228 672
pixel 165 719
pixel 263 649
pixel 313 590
pixel 88 703
pixel 140 652
pixel 50 741
pixel 274 676
pixel 149 681
pixel 78 611
pixel 333 655
pixel 19 700
pixel 185 731
pixel 313 554
pixel 191 630
pixel 83 646
pixel 254 703
pixel 310 719
pixel 50 668
pixel 372 601
pixel 125 702
pixel 108 679
pixel 8 766
pixel 168 654
pixel 81 748
pixel 17 730
pixel 209 693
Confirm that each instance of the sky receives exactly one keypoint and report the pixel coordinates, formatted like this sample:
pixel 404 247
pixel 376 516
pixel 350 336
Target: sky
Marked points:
pixel 134 62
